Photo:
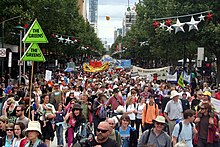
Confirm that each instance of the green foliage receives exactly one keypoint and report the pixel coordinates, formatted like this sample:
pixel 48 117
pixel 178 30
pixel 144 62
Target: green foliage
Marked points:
pixel 54 16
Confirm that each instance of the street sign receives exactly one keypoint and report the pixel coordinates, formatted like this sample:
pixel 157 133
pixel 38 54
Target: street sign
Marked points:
pixel 35 34
pixel 33 53
pixel 2 52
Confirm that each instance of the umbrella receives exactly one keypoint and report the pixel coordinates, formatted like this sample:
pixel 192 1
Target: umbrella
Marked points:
pixel 68 69
pixel 119 67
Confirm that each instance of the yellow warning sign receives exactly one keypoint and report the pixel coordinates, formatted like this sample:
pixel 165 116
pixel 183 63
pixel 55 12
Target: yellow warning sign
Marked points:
pixel 35 34
pixel 33 53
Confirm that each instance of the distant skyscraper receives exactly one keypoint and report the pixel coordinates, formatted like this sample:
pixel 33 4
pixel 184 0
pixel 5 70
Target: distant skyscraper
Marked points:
pixel 93 14
pixel 93 11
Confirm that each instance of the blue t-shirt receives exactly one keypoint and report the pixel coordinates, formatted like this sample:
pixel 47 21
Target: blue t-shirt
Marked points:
pixel 185 134
pixel 125 136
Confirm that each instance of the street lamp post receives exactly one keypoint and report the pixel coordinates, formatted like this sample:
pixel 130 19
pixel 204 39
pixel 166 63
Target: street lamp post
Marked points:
pixel 3 36
pixel 20 51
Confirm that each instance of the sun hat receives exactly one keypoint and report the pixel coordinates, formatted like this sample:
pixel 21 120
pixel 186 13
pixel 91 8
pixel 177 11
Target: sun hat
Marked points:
pixel 174 93
pixel 34 126
pixel 207 93
pixel 160 119
pixel 77 107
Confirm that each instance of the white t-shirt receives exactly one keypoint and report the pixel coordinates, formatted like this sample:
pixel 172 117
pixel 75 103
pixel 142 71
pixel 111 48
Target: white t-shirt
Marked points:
pixel 140 108
pixel 130 108
pixel 185 134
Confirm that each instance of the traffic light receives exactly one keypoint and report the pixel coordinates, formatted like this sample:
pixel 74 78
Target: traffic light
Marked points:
pixel 206 68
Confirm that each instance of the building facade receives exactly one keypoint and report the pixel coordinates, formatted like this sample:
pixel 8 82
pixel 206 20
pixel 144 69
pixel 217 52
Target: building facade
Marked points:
pixel 93 13
pixel 130 18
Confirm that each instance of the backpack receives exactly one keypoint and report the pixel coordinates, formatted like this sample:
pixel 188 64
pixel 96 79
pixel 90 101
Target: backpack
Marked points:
pixel 102 112
pixel 180 129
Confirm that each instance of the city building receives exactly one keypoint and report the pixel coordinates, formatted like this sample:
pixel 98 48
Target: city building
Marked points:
pixel 93 13
pixel 130 18
pixel 117 32
pixel 83 8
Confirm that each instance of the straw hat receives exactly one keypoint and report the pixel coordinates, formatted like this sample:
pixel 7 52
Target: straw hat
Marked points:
pixel 34 126
pixel 160 119
pixel 174 93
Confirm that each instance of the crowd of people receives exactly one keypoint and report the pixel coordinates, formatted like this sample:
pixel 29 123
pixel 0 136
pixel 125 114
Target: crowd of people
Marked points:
pixel 108 109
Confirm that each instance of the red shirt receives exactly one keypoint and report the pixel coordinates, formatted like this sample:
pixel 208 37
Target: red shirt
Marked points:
pixel 114 102
pixel 217 95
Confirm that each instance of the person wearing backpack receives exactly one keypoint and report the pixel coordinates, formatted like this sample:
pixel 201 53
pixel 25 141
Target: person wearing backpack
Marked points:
pixel 97 105
pixel 185 130
pixel 155 136
pixel 149 113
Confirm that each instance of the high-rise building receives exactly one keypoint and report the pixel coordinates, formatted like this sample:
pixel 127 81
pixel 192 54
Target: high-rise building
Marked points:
pixel 83 8
pixel 130 18
pixel 93 13
pixel 117 32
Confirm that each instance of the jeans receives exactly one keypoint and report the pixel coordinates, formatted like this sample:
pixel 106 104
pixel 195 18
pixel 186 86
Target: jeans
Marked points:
pixel 203 143
pixel 59 133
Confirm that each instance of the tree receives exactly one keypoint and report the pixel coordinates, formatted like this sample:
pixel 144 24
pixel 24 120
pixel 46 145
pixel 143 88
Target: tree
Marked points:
pixel 57 16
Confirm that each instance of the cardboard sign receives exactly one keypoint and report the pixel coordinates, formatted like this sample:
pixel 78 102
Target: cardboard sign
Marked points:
pixel 48 75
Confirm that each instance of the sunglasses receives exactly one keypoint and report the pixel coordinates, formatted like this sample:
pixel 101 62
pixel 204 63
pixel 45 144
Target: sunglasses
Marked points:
pixel 159 123
pixel 9 129
pixel 202 108
pixel 18 110
pixel 102 131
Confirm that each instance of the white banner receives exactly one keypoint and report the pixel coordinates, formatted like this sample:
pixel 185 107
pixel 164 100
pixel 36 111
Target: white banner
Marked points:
pixel 172 78
pixel 187 77
pixel 161 72
pixel 48 75
pixel 216 104
pixel 2 52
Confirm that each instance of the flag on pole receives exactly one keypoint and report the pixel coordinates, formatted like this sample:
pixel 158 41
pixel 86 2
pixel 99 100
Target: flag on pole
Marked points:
pixel 180 81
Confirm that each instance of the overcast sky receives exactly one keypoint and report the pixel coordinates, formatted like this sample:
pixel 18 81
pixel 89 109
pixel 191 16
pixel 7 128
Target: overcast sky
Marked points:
pixel 116 10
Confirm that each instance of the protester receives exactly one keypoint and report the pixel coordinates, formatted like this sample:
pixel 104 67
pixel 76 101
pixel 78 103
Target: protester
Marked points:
pixel 8 140
pixel 34 134
pixel 19 133
pixel 20 110
pixel 114 134
pixel 130 109
pixel 173 111
pixel 59 121
pixel 139 107
pixel 98 103
pixel 150 112
pixel 156 136
pixel 185 130
pixel 128 133
pixel 206 124
pixel 115 100
pixel 102 139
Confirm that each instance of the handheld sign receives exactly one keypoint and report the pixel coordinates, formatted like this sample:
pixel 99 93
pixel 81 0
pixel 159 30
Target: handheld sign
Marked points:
pixel 35 34
pixel 33 53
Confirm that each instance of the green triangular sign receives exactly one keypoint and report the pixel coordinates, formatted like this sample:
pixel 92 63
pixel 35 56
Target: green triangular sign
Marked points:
pixel 35 34
pixel 33 53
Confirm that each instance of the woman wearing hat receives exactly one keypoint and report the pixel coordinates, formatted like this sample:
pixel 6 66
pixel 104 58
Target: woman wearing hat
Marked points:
pixel 33 134
pixel 74 118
